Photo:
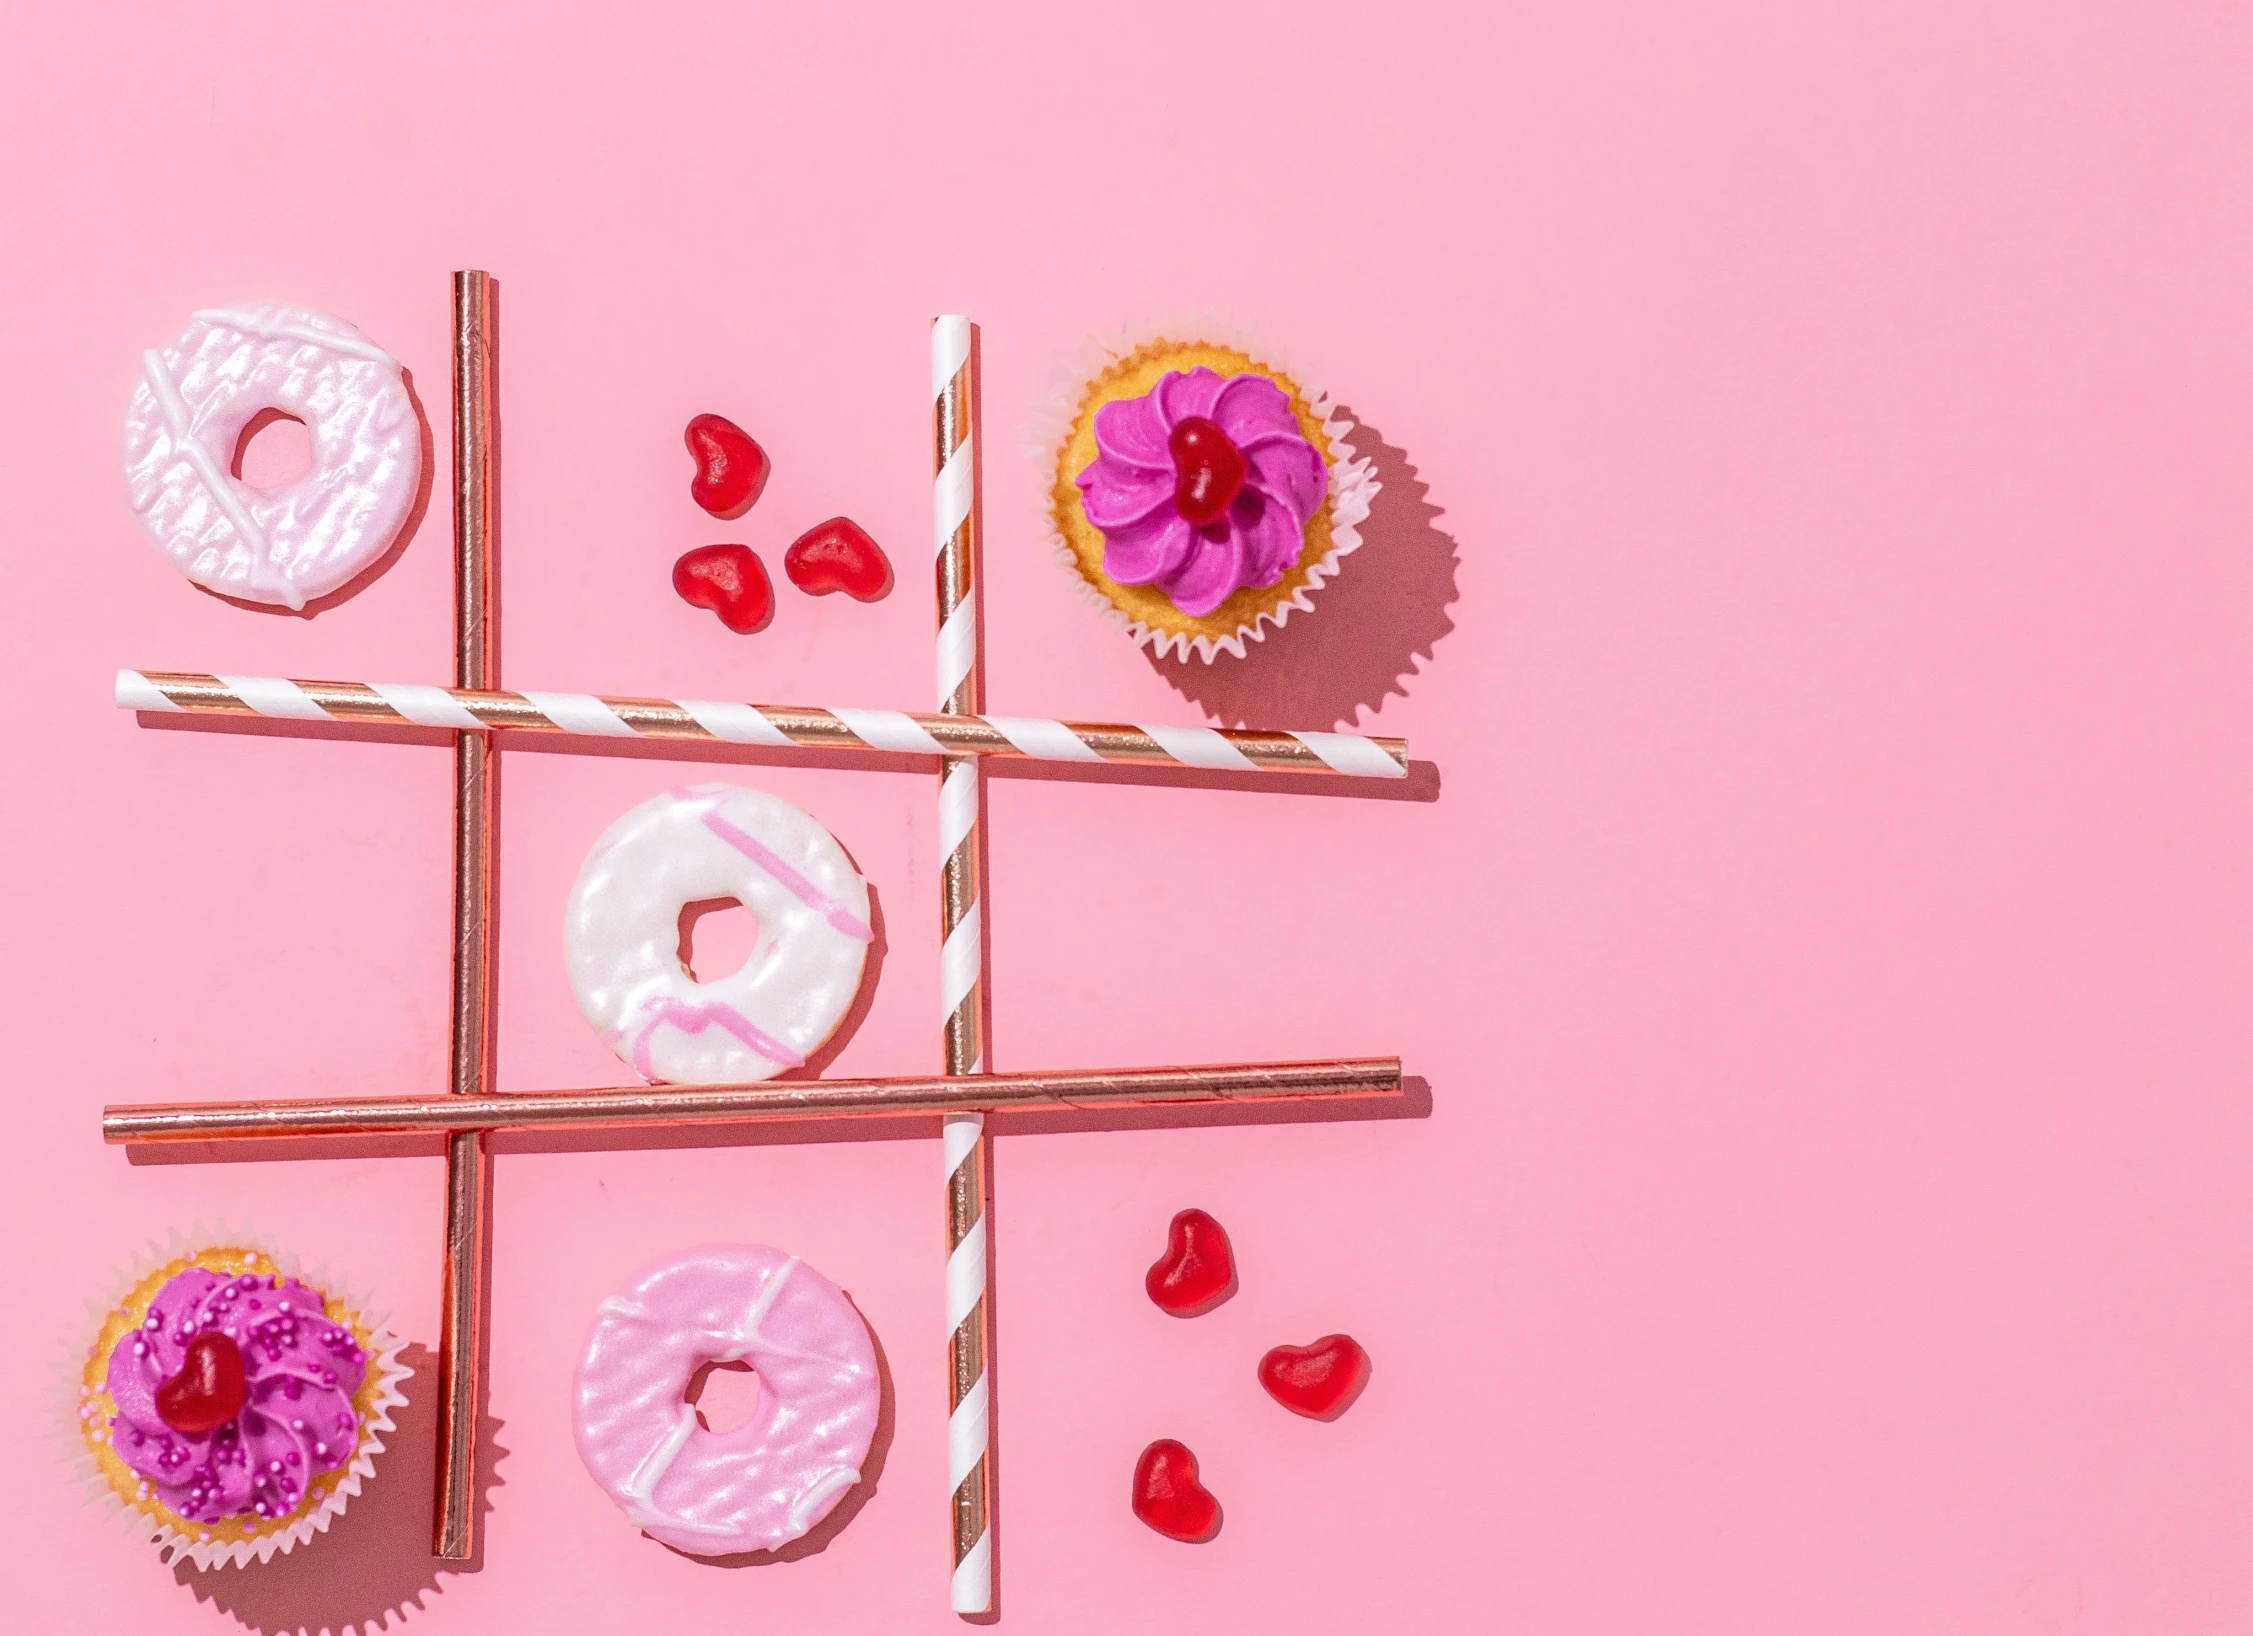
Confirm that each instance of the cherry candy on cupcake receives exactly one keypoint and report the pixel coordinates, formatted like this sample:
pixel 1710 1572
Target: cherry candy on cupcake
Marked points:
pixel 1200 492
pixel 229 1406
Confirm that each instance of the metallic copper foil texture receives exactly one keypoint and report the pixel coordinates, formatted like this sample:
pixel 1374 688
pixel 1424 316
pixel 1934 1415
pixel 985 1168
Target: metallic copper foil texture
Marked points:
pixel 768 1100
pixel 461 1352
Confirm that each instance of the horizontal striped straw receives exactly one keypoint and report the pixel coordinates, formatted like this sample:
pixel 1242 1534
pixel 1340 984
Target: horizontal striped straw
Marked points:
pixel 774 726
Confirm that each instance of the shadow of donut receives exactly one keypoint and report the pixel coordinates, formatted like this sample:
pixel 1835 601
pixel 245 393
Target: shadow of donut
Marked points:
pixel 864 998
pixel 816 1539
pixel 1386 608
pixel 374 1562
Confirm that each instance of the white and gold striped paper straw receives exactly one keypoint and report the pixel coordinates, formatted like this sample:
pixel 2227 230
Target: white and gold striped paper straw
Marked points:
pixel 772 726
pixel 954 502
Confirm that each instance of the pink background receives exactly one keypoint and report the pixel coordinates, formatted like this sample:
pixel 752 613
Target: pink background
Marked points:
pixel 1826 941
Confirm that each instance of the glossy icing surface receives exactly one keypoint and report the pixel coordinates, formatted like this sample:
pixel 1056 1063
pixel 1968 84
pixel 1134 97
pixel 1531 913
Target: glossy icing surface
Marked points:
pixel 622 935
pixel 300 1370
pixel 767 1481
pixel 191 403
pixel 1129 490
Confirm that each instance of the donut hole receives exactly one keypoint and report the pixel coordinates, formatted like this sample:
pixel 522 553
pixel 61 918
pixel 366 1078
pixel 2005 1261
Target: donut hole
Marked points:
pixel 723 1395
pixel 274 450
pixel 717 937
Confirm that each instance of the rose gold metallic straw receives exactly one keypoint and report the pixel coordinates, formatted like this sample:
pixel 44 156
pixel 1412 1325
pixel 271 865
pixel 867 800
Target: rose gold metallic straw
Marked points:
pixel 962 958
pixel 766 1102
pixel 461 1348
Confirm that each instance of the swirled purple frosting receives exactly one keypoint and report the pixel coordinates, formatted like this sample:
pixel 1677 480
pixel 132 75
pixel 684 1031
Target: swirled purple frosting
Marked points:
pixel 297 1419
pixel 1128 489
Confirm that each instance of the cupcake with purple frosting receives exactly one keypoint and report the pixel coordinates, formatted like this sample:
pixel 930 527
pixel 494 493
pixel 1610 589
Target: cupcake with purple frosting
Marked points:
pixel 230 1407
pixel 1200 493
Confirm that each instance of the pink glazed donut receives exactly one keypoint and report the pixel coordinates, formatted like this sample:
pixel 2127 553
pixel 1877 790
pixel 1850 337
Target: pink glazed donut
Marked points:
pixel 772 1478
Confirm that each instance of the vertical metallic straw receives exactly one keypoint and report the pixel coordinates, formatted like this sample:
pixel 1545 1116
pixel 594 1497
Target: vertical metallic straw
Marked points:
pixel 954 464
pixel 461 1350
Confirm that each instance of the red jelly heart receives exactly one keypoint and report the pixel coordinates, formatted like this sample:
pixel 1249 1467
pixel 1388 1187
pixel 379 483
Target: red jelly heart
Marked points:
pixel 1319 1381
pixel 731 581
pixel 838 556
pixel 1208 470
pixel 208 1391
pixel 1198 1270
pixel 730 468
pixel 1168 1496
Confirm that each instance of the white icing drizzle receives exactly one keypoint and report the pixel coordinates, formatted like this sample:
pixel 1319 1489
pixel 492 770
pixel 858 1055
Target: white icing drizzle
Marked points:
pixel 221 487
pixel 767 1292
pixel 651 1471
pixel 668 1449
pixel 809 1504
pixel 251 324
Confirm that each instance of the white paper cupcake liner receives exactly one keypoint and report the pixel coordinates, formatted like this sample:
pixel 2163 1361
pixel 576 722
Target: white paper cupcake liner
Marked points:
pixel 204 1544
pixel 1353 479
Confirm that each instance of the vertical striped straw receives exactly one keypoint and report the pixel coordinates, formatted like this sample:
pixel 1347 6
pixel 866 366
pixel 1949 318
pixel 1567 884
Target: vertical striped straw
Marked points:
pixel 954 464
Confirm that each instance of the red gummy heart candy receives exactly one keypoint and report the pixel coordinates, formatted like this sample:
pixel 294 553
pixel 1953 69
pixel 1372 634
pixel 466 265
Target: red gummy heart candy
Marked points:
pixel 1198 1270
pixel 838 556
pixel 731 581
pixel 208 1391
pixel 730 468
pixel 1168 1496
pixel 1208 470
pixel 1319 1381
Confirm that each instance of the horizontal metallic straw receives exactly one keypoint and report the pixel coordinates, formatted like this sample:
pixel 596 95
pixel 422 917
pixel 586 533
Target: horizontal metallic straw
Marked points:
pixel 769 1101
pixel 774 726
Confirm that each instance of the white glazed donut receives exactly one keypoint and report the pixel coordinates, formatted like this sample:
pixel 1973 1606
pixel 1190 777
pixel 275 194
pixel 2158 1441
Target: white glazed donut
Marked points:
pixel 772 1478
pixel 622 935
pixel 305 539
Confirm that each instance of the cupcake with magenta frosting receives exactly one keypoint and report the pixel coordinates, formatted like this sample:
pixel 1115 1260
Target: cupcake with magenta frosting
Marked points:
pixel 1199 491
pixel 228 1406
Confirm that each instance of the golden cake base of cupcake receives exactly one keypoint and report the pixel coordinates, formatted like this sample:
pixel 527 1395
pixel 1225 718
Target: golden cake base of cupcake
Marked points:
pixel 1150 613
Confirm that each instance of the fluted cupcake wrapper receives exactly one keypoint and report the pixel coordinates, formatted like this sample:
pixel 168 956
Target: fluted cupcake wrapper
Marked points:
pixel 1353 479
pixel 228 1542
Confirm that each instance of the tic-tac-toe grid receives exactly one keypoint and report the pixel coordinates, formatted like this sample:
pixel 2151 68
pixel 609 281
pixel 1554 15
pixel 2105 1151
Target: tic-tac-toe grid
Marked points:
pixel 479 713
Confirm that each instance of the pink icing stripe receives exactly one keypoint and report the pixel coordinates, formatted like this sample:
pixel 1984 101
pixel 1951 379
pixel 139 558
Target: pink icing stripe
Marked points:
pixel 804 890
pixel 694 1019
